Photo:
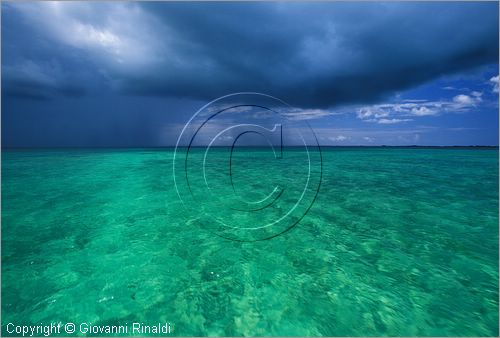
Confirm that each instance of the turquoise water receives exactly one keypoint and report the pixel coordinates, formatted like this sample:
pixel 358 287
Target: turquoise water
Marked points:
pixel 397 242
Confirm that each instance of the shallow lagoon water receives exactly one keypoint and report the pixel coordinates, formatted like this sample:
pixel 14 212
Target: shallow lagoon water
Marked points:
pixel 398 242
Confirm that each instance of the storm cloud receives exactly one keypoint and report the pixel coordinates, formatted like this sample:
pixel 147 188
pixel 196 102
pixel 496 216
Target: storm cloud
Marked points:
pixel 313 55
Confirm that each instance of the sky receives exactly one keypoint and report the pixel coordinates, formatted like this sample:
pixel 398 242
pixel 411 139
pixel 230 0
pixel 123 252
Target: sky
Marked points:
pixel 131 74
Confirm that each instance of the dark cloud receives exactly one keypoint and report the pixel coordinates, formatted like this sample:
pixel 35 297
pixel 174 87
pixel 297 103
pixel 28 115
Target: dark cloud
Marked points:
pixel 32 81
pixel 311 55
pixel 322 54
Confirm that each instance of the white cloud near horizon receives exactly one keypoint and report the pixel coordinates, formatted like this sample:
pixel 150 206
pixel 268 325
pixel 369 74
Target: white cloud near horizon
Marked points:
pixel 338 138
pixel 297 114
pixel 494 83
pixel 407 110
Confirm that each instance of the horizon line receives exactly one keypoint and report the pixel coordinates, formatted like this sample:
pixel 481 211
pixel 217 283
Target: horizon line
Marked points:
pixel 247 146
